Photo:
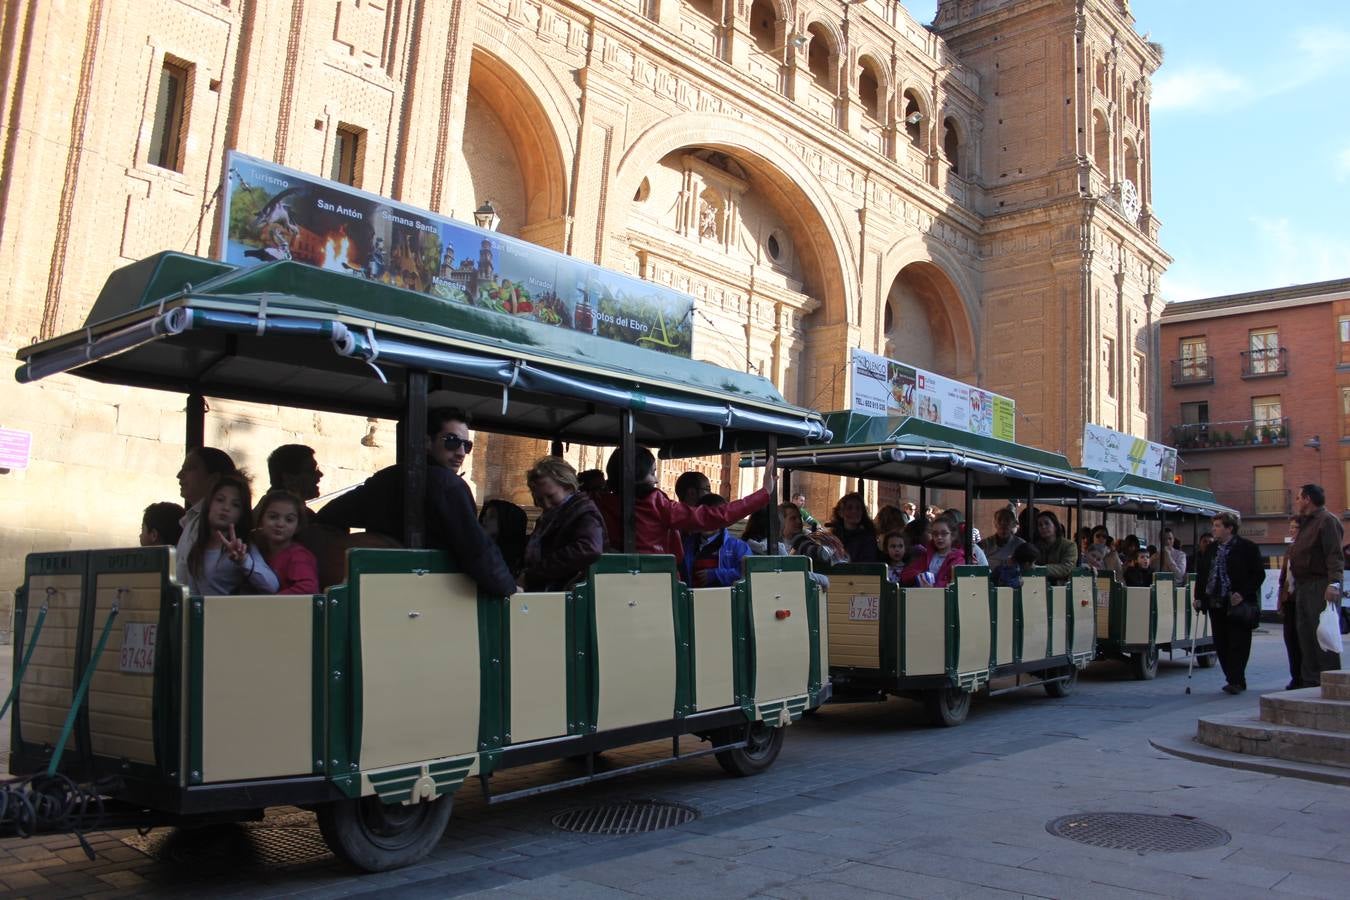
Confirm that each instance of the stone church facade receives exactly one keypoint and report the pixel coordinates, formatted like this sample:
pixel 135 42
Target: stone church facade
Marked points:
pixel 973 197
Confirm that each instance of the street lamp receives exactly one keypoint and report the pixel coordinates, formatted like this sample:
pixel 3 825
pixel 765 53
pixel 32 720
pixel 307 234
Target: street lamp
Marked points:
pixel 486 216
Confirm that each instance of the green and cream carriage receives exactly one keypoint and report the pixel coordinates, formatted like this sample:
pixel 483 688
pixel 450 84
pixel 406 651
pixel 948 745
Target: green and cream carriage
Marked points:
pixel 1138 623
pixel 375 700
pixel 939 645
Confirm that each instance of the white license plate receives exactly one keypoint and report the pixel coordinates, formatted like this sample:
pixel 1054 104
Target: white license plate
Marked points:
pixel 864 608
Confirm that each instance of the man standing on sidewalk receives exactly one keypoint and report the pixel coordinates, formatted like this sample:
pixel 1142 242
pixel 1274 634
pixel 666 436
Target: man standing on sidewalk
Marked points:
pixel 1229 586
pixel 1316 562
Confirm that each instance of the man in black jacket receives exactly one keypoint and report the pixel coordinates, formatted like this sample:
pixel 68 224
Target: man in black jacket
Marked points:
pixel 1228 585
pixel 451 517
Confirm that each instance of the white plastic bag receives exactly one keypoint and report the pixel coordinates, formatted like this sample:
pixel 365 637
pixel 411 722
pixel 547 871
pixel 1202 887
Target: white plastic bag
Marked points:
pixel 1329 629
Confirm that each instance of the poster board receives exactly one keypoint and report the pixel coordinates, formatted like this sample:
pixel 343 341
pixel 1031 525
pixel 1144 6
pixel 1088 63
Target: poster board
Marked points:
pixel 1113 451
pixel 271 212
pixel 887 387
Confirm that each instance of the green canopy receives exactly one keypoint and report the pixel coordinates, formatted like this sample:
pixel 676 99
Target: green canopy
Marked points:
pixel 913 451
pixel 289 333
pixel 1123 492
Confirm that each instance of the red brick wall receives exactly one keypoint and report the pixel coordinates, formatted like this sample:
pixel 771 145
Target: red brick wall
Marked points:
pixel 1309 394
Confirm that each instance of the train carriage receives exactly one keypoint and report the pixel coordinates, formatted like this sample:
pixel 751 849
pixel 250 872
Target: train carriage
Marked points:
pixel 939 645
pixel 1139 623
pixel 375 700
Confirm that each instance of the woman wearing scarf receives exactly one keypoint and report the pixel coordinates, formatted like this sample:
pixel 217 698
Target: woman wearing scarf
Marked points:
pixel 1229 577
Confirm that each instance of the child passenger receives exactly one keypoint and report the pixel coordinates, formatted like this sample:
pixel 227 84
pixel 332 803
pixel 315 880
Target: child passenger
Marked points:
pixel 219 561
pixel 713 558
pixel 280 515
pixel 896 551
pixel 161 523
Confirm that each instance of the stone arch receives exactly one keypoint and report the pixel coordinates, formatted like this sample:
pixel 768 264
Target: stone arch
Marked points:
pixel 1101 142
pixel 825 243
pixel 938 283
pixel 766 25
pixel 914 100
pixel 873 86
pixel 538 115
pixel 953 139
pixel 822 53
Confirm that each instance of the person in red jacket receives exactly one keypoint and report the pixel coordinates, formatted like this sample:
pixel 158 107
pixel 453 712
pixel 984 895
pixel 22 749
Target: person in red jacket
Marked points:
pixel 932 564
pixel 659 519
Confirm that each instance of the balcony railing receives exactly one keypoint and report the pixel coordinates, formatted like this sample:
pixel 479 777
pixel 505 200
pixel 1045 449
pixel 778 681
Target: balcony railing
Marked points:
pixel 1268 361
pixel 1193 370
pixel 1257 503
pixel 1231 435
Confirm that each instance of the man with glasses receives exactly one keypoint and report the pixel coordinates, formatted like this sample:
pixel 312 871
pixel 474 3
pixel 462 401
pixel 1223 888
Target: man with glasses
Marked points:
pixel 1316 563
pixel 451 516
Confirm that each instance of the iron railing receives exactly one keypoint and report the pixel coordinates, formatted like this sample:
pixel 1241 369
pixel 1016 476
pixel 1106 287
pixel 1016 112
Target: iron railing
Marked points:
pixel 1267 361
pixel 1231 435
pixel 1192 370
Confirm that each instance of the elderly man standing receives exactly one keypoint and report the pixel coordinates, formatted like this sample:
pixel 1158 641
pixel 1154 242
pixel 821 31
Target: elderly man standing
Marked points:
pixel 1316 562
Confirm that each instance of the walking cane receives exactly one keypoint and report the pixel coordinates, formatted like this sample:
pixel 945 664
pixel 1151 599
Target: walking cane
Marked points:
pixel 1190 667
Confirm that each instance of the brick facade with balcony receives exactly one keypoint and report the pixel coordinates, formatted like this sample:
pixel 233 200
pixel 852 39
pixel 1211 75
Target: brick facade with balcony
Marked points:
pixel 1256 398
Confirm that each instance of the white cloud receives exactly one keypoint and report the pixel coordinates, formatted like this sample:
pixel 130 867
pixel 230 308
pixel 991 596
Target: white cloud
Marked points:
pixel 1273 252
pixel 1196 87
pixel 1342 165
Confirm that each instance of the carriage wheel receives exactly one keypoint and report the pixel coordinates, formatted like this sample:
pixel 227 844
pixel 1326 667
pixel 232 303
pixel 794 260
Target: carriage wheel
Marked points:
pixel 947 706
pixel 376 836
pixel 763 744
pixel 1145 664
pixel 1064 684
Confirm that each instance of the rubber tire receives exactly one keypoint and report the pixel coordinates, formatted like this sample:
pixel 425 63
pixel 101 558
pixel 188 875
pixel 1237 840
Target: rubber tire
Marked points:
pixel 1145 665
pixel 765 743
pixel 1064 688
pixel 1206 660
pixel 948 706
pixel 351 828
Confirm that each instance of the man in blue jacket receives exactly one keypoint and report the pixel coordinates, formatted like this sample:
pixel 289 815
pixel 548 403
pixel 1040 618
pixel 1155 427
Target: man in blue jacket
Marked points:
pixel 713 559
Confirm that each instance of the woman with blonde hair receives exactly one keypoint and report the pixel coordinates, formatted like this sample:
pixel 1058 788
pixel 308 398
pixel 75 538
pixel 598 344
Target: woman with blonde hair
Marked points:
pixel 569 536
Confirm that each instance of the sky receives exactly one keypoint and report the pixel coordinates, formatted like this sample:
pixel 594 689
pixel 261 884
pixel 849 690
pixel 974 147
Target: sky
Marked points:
pixel 1251 141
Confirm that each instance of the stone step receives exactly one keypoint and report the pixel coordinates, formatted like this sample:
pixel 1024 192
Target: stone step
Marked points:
pixel 1336 685
pixel 1306 708
pixel 1242 733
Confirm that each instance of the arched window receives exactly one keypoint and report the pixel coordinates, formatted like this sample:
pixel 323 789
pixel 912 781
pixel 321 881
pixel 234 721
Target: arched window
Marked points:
pixel 1131 164
pixel 914 115
pixel 1131 105
pixel 869 87
pixel 820 56
pixel 951 145
pixel 764 25
pixel 1101 142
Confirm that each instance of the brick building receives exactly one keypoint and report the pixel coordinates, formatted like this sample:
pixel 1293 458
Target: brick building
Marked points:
pixel 819 175
pixel 1257 398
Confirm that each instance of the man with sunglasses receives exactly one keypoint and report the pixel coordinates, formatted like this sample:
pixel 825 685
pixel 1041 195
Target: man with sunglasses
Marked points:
pixel 450 512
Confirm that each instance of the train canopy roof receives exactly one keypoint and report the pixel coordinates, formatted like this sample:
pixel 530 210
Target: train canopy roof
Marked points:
pixel 913 451
pixel 292 334
pixel 1123 492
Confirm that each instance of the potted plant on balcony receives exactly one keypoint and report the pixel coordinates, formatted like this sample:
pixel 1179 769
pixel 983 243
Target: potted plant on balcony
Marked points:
pixel 1226 439
pixel 1249 435
pixel 1267 436
pixel 1277 434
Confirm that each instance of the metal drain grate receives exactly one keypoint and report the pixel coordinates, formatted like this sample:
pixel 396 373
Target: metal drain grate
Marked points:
pixel 625 817
pixel 1139 832
pixel 233 847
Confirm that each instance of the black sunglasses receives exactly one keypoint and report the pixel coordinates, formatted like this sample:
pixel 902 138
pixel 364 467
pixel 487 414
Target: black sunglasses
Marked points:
pixel 454 442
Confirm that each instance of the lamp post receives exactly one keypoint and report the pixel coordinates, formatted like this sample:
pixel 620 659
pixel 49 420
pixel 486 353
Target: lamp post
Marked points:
pixel 486 216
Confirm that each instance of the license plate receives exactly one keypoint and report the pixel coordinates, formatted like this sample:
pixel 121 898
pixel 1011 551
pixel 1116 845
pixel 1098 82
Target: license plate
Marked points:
pixel 864 608
pixel 138 648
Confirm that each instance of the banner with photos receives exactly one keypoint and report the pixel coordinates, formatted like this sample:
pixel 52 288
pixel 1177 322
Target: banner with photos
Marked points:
pixel 886 387
pixel 271 213
pixel 1112 451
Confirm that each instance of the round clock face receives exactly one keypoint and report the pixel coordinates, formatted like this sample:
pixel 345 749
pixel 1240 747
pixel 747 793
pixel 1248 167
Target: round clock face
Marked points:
pixel 1129 199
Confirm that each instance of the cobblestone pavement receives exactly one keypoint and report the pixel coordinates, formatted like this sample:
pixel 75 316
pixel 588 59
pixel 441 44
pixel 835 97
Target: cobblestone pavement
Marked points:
pixel 865 801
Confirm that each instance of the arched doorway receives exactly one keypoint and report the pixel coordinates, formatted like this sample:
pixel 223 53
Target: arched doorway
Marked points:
pixel 925 323
pixel 516 155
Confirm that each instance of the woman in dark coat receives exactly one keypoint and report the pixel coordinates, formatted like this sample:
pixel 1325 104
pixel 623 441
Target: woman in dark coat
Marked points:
pixel 853 526
pixel 568 537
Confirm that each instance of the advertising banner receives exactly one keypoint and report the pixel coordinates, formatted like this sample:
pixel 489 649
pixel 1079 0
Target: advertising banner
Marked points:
pixel 885 387
pixel 1112 451
pixel 271 212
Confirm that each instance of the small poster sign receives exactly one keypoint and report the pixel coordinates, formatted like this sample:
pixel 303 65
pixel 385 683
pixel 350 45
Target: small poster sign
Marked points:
pixel 138 648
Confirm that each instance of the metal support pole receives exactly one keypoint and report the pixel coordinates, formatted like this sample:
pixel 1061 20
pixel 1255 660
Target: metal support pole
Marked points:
pixel 968 532
pixel 196 422
pixel 774 531
pixel 627 490
pixel 412 451
pixel 922 511
pixel 555 449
